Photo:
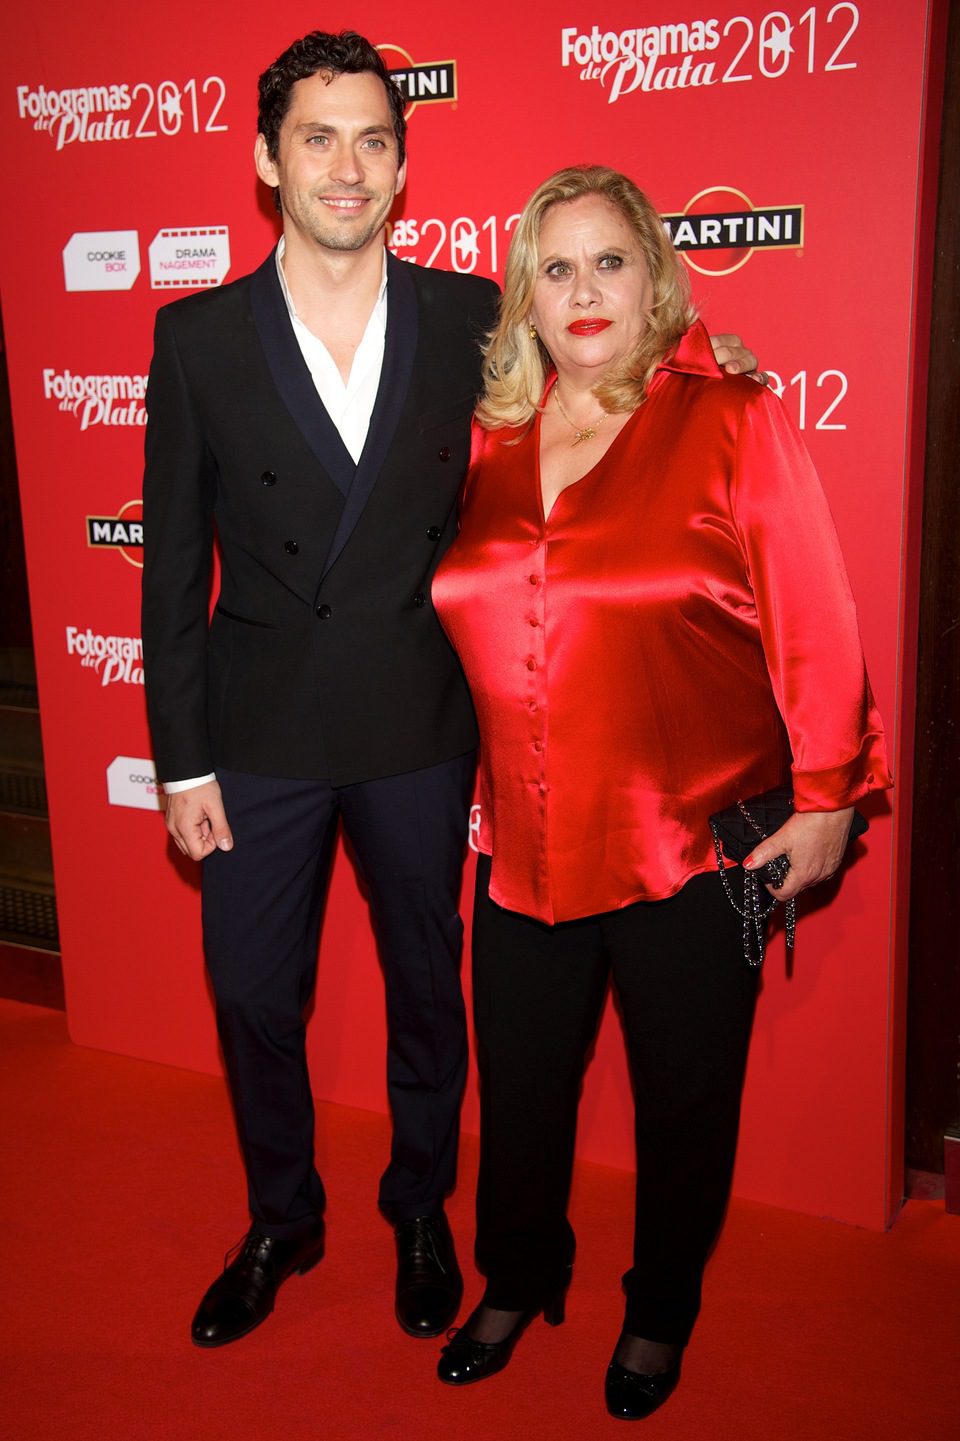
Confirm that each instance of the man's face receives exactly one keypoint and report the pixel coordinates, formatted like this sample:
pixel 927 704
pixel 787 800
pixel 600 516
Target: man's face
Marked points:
pixel 337 169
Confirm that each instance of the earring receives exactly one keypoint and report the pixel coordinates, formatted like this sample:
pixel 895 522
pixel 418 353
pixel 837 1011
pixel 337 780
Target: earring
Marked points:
pixel 532 332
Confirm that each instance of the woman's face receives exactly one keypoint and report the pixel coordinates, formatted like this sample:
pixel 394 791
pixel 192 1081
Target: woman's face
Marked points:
pixel 593 290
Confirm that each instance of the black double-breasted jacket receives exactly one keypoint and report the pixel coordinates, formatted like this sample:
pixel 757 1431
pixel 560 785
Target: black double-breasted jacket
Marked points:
pixel 323 657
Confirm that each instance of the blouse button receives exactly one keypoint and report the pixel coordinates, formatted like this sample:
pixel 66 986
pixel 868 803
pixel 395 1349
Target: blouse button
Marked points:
pixel 291 547
pixel 419 600
pixel 444 452
pixel 534 580
pixel 433 532
pixel 537 746
pixel 269 477
pixel 533 621
pixel 531 665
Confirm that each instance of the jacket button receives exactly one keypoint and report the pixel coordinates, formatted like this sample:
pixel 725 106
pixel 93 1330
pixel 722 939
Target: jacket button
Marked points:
pixel 291 547
pixel 433 532
pixel 269 477
pixel 444 452
pixel 419 599
pixel 324 612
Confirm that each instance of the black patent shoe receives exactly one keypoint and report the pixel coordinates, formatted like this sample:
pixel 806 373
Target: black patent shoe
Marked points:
pixel 429 1284
pixel 464 1360
pixel 245 1293
pixel 631 1395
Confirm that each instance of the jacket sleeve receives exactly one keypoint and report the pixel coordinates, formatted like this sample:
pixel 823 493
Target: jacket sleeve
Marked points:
pixel 806 613
pixel 178 497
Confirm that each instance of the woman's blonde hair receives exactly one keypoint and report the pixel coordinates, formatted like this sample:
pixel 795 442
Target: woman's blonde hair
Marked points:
pixel 516 363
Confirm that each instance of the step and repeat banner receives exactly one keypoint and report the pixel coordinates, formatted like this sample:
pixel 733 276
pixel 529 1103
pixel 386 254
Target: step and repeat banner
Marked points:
pixel 784 148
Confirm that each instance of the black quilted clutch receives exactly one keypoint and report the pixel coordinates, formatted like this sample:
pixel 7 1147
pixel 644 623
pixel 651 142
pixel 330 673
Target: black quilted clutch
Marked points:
pixel 737 831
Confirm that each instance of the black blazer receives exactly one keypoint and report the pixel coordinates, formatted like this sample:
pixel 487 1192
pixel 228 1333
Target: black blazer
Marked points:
pixel 324 657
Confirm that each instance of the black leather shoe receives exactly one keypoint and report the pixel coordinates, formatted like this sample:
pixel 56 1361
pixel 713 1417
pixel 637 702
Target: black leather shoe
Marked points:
pixel 464 1360
pixel 429 1284
pixel 630 1395
pixel 244 1294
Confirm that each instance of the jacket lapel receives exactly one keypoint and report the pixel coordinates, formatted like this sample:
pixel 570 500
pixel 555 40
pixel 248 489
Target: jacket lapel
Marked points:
pixel 292 377
pixel 400 344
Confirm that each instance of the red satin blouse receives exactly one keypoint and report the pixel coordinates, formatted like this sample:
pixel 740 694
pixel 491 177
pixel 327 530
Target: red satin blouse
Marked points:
pixel 677 633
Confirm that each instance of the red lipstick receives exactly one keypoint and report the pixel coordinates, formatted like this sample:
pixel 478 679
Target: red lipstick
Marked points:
pixel 588 327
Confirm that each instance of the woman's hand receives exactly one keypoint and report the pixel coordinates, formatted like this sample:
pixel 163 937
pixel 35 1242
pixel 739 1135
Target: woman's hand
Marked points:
pixel 812 841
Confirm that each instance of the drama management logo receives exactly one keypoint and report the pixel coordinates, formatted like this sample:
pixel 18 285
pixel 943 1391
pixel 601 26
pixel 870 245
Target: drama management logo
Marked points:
pixel 187 259
pixel 140 110
pixel 116 659
pixel 424 84
pixel 101 260
pixel 122 532
pixel 132 781
pixel 116 400
pixel 721 228
pixel 691 54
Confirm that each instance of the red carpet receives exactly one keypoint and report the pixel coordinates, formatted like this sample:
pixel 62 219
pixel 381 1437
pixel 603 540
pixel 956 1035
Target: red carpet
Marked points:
pixel 122 1189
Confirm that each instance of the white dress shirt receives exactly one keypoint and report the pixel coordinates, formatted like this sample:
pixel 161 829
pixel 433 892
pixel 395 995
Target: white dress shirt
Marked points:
pixel 349 403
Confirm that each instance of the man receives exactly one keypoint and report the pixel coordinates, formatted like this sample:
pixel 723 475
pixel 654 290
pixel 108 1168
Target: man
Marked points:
pixel 316 416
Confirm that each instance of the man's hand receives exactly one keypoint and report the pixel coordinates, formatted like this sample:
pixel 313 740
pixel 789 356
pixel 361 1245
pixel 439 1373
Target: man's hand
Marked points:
pixel 730 352
pixel 812 841
pixel 197 821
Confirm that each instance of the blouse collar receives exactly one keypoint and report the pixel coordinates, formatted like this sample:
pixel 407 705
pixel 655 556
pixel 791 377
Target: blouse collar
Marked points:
pixel 694 354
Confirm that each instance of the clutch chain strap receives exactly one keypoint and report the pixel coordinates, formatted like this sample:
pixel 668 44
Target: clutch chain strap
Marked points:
pixel 753 916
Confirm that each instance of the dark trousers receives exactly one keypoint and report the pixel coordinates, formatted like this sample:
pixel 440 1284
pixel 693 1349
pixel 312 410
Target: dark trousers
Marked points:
pixel 262 904
pixel 686 998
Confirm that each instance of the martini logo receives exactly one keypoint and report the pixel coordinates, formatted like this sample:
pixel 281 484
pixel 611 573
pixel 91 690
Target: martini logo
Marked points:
pixel 189 259
pixel 98 399
pixel 116 659
pixel 101 260
pixel 420 84
pixel 132 781
pixel 720 229
pixel 122 532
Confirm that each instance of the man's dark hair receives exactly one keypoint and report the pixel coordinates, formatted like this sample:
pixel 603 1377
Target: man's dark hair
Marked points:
pixel 345 54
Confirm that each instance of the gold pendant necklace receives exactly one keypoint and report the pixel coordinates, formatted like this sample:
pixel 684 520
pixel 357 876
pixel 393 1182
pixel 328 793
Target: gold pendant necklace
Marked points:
pixel 587 432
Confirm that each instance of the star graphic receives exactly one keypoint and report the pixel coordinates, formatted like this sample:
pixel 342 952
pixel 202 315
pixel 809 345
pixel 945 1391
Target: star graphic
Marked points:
pixel 171 107
pixel 778 42
pixel 466 245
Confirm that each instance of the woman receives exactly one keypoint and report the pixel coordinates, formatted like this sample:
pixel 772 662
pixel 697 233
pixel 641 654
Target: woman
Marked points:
pixel 650 606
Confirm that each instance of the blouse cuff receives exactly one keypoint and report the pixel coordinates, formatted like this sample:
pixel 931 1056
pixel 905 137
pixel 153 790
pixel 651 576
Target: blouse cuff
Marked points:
pixel 843 785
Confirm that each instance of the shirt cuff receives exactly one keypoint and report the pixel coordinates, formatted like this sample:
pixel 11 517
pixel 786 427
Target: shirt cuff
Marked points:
pixel 172 787
pixel 840 786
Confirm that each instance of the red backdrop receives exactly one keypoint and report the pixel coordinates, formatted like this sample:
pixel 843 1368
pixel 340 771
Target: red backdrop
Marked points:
pixel 802 130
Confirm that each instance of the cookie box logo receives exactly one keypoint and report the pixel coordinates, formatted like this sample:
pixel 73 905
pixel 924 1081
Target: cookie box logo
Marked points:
pixel 189 259
pixel 132 781
pixel 101 260
pixel 122 532
pixel 423 84
pixel 116 659
pixel 721 228
pixel 98 399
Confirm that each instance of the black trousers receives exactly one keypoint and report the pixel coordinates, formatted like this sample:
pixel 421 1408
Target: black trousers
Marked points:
pixel 686 998
pixel 262 904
